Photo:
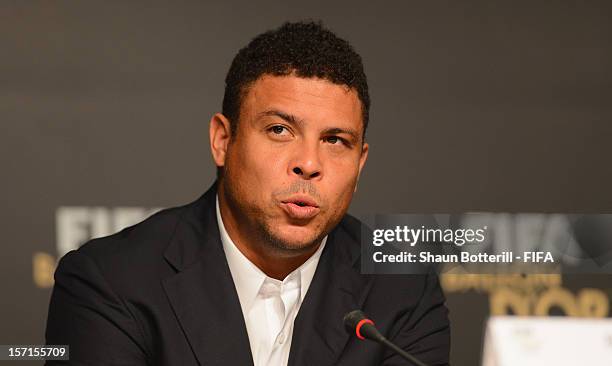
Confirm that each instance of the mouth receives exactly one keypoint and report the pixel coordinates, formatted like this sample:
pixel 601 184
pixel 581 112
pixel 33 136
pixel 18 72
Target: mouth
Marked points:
pixel 300 207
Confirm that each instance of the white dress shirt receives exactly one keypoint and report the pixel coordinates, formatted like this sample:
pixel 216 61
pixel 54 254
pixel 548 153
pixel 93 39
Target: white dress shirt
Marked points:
pixel 269 306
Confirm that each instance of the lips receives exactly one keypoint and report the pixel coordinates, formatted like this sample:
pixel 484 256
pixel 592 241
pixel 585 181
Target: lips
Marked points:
pixel 300 207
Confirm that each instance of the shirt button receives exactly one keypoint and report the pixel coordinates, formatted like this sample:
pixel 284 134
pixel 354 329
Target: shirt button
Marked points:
pixel 281 338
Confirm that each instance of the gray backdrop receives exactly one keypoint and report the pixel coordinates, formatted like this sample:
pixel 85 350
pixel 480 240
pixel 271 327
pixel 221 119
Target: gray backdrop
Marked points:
pixel 475 106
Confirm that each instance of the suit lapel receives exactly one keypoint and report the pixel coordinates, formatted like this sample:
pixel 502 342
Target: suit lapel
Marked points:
pixel 337 288
pixel 204 299
pixel 202 293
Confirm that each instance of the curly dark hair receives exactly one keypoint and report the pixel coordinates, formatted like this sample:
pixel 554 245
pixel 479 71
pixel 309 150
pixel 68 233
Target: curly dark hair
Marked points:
pixel 306 49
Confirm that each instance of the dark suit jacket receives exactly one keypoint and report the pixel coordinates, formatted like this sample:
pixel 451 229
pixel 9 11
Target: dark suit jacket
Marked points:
pixel 161 293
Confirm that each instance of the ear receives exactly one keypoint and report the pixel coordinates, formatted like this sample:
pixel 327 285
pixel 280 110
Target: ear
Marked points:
pixel 220 135
pixel 362 159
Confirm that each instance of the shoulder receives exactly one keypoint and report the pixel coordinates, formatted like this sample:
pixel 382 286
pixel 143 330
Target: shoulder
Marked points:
pixel 131 258
pixel 144 239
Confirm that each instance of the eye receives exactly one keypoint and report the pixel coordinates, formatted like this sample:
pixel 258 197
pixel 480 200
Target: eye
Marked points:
pixel 279 132
pixel 277 129
pixel 334 140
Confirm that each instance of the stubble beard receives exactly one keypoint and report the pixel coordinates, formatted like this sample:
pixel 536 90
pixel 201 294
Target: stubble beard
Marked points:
pixel 265 237
pixel 285 248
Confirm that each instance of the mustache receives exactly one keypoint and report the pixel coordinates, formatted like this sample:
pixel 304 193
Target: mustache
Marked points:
pixel 300 186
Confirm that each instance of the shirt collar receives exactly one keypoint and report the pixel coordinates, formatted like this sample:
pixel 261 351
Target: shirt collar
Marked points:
pixel 248 278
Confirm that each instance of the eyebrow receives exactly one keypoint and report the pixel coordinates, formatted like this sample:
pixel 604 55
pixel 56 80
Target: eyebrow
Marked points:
pixel 289 118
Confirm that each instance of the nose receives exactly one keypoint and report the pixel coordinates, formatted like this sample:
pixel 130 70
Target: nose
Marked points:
pixel 307 163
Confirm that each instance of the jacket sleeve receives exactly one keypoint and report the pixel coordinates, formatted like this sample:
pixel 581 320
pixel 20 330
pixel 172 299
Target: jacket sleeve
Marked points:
pixel 424 332
pixel 86 315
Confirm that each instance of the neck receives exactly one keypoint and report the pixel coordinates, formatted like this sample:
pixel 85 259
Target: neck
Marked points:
pixel 275 266
pixel 274 262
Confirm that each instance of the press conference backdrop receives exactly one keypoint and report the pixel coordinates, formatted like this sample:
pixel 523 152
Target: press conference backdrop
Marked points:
pixel 477 106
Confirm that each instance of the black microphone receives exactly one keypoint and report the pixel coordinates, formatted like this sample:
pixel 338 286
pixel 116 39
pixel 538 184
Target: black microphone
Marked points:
pixel 357 323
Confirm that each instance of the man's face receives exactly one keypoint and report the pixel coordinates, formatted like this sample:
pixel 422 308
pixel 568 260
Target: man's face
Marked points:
pixel 292 167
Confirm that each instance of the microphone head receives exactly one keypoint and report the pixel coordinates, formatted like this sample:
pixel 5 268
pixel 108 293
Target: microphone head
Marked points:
pixel 351 320
pixel 358 324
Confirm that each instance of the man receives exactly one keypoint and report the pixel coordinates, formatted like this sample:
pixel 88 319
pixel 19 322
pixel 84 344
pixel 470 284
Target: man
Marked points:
pixel 263 267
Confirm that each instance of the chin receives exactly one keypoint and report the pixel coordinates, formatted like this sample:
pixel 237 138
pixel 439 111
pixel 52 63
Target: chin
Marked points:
pixel 295 238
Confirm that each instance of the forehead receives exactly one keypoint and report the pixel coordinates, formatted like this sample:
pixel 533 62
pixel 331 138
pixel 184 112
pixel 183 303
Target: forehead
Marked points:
pixel 314 100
